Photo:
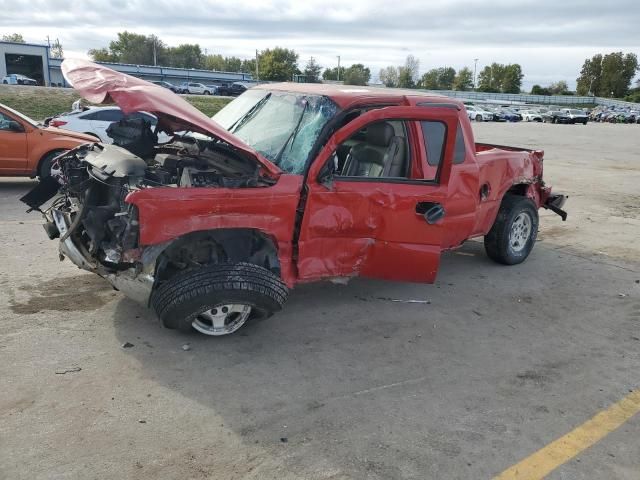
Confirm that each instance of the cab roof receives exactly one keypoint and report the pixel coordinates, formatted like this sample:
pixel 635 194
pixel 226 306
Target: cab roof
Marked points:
pixel 346 96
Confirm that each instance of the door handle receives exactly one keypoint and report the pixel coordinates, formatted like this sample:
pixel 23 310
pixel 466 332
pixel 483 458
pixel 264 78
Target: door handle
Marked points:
pixel 431 211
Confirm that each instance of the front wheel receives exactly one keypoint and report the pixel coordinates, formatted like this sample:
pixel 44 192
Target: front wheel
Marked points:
pixel 478 118
pixel 514 231
pixel 44 168
pixel 218 299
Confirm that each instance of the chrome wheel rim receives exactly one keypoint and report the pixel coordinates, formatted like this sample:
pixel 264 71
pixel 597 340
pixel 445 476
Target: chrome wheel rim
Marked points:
pixel 222 319
pixel 520 232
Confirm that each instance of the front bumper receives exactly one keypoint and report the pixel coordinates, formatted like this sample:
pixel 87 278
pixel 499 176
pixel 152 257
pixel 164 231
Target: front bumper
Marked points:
pixel 555 202
pixel 134 283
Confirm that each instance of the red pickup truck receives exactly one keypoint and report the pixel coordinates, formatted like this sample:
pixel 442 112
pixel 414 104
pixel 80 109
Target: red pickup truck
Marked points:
pixel 288 183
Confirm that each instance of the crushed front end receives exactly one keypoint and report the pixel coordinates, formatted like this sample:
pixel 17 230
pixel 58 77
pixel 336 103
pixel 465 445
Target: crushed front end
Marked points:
pixel 98 229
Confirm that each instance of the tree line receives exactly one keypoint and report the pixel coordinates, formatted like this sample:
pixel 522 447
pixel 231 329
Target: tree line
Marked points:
pixel 604 75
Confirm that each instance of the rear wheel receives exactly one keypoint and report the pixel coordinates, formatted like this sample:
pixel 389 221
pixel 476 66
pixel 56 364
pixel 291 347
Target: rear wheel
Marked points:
pixel 478 118
pixel 206 92
pixel 218 299
pixel 514 231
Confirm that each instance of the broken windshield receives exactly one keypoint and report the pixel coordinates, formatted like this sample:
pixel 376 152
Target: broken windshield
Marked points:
pixel 282 126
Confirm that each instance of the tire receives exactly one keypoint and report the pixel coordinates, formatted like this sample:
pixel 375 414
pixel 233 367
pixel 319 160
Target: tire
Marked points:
pixel 182 299
pixel 499 244
pixel 44 167
pixel 206 92
pixel 478 118
pixel 5 82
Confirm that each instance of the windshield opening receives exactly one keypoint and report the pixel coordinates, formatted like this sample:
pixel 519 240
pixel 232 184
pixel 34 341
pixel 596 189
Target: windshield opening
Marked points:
pixel 282 126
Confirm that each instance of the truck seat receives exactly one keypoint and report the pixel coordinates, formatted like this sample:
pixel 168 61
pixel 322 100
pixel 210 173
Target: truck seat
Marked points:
pixel 382 154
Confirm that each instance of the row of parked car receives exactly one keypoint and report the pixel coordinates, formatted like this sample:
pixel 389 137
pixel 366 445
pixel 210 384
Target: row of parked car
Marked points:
pixel 195 88
pixel 512 113
pixel 615 115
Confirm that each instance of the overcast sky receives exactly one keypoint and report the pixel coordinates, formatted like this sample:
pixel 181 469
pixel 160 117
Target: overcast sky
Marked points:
pixel 549 38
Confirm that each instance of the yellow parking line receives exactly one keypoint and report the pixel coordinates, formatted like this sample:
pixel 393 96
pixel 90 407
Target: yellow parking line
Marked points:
pixel 560 451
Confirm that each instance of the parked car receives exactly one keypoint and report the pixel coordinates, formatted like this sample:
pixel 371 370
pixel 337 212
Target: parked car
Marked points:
pixel 260 202
pixel 238 88
pixel 95 121
pixel 28 148
pixel 531 116
pixel 576 116
pixel 16 79
pixel 170 86
pixel 479 114
pixel 556 116
pixel 195 88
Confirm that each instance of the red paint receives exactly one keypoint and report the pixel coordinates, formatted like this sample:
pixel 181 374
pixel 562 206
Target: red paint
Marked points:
pixel 368 227
pixel 99 84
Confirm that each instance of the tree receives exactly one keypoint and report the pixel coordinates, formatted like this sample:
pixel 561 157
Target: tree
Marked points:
pixel 607 75
pixel 511 80
pixel 558 88
pixel 13 37
pixel 102 55
pixel 56 50
pixel 332 73
pixel 312 71
pixel 186 55
pixel 405 79
pixel 463 80
pixel 500 78
pixel 412 68
pixel 357 74
pixel 389 76
pixel 279 64
pixel 588 83
pixel 538 90
pixel 430 80
pixel 438 79
pixel 617 72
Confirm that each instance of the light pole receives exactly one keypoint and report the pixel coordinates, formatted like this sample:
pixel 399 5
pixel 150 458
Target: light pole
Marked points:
pixel 338 68
pixel 475 69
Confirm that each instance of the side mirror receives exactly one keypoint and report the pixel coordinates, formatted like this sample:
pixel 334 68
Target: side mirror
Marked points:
pixel 15 126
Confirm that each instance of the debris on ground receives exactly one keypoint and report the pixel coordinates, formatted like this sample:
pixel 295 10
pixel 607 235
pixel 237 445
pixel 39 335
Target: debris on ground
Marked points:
pixel 284 439
pixel 186 347
pixel 142 421
pixel 127 345
pixel 398 300
pixel 62 371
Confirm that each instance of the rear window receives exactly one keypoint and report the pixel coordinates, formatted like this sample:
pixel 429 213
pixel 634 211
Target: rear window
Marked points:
pixel 434 135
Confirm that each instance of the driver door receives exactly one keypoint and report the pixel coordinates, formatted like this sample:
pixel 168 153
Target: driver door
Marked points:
pixel 13 154
pixel 378 226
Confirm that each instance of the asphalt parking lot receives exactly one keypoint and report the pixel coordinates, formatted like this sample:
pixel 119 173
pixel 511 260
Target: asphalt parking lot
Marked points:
pixel 345 383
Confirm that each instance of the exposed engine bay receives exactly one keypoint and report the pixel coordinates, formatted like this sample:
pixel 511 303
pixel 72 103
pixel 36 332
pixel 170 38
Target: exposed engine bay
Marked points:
pixel 92 181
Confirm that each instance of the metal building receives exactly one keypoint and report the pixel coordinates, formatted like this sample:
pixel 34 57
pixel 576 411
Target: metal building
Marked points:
pixel 33 61
pixel 27 59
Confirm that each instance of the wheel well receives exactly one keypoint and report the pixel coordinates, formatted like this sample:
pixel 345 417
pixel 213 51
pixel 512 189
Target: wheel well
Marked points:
pixel 519 189
pixel 197 249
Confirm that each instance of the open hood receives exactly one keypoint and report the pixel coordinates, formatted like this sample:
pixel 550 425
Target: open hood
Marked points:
pixel 99 84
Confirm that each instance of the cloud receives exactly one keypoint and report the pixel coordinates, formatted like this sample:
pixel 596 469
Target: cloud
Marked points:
pixel 549 38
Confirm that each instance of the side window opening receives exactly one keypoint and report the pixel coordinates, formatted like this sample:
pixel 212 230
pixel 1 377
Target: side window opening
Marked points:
pixel 460 152
pixel 434 136
pixel 379 150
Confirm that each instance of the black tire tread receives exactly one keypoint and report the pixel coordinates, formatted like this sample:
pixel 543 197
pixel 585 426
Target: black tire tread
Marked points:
pixel 240 277
pixel 498 237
